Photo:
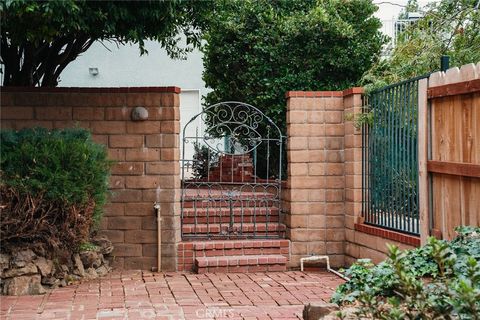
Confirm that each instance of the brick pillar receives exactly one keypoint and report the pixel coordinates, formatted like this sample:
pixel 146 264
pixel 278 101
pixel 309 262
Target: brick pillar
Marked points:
pixel 353 171
pixel 315 187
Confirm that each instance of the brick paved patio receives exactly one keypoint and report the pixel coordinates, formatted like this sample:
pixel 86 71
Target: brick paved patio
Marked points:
pixel 146 295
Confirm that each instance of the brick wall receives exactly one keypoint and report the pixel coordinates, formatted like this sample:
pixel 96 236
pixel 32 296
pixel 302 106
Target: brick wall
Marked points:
pixel 324 189
pixel 146 155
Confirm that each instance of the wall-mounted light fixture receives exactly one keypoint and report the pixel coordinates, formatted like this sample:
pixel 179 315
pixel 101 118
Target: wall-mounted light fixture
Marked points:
pixel 93 71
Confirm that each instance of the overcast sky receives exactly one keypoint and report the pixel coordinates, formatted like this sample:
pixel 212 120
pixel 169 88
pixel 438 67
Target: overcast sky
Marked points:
pixel 389 9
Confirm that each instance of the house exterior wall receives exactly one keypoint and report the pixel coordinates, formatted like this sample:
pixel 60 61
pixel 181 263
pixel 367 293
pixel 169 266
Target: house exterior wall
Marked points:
pixel 146 155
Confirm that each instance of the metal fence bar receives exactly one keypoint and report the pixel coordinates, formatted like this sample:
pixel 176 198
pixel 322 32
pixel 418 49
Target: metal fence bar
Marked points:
pixel 389 164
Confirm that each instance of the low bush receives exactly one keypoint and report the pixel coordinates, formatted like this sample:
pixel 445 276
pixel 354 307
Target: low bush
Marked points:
pixel 53 186
pixel 440 280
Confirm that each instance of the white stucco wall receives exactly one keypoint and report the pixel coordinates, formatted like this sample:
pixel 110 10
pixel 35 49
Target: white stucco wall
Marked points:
pixel 123 66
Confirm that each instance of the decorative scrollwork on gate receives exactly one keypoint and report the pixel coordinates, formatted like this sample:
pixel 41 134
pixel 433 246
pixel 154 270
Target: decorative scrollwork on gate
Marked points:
pixel 235 124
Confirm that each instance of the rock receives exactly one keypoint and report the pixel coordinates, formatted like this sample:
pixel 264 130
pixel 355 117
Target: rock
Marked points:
pixel 49 281
pixel 105 245
pixel 103 270
pixel 315 311
pixel 44 265
pixel 139 114
pixel 350 313
pixel 23 285
pixel 28 269
pixel 4 263
pixel 71 279
pixel 91 273
pixel 62 283
pixel 91 259
pixel 62 271
pixel 78 265
pixel 22 258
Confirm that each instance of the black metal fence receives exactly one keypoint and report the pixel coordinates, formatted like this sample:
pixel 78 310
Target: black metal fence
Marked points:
pixel 390 169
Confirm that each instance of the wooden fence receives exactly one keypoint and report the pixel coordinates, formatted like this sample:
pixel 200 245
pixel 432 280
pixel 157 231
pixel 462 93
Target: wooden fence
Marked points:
pixel 449 151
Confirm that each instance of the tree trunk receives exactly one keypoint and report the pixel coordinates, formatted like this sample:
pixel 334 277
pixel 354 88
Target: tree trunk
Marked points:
pixel 31 65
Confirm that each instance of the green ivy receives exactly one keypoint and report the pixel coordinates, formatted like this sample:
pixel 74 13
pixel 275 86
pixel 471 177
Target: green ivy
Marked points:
pixel 440 280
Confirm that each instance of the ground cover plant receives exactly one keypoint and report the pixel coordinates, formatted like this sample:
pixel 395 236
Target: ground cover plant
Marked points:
pixel 440 280
pixel 53 185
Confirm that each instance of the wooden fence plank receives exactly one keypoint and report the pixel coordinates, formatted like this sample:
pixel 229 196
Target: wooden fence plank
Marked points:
pixel 424 201
pixel 454 89
pixel 454 168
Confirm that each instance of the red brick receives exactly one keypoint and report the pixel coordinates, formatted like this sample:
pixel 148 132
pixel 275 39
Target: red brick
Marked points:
pixel 143 127
pixel 127 250
pixel 139 209
pixel 115 236
pixel 116 182
pixel 108 127
pixel 53 113
pixel 142 182
pixel 100 138
pixel 126 141
pixel 141 236
pixel 128 168
pixel 124 223
pixel 142 154
pixel 87 113
pixel 127 195
pixel 118 113
pixel 116 154
pixel 21 124
pixel 170 127
pixel 16 112
pixel 114 209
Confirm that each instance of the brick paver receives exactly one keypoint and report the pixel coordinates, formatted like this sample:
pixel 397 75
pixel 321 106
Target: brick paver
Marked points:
pixel 147 295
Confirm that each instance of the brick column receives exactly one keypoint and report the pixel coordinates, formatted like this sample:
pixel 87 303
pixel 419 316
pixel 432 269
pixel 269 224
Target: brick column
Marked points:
pixel 315 186
pixel 353 171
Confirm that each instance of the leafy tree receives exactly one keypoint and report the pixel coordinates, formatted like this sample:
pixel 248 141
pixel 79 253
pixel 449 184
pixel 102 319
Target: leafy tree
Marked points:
pixel 449 27
pixel 40 38
pixel 256 50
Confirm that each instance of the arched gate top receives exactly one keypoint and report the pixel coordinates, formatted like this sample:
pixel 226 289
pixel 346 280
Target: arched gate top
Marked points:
pixel 242 125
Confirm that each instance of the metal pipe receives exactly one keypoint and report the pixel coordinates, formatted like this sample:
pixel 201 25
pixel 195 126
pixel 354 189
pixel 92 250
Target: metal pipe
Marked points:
pixel 317 258
pixel 157 207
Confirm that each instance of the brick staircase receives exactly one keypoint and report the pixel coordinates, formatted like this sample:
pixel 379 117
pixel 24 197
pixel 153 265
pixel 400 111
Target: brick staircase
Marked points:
pixel 239 233
pixel 232 168
pixel 257 255
pixel 211 215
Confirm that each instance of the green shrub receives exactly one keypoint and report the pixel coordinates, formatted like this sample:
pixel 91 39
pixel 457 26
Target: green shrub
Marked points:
pixel 440 280
pixel 53 186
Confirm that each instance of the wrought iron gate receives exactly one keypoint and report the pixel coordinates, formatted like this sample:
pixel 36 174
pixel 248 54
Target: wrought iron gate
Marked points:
pixel 231 174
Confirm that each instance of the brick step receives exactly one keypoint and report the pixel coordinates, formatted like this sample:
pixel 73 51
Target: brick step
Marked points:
pixel 239 229
pixel 254 263
pixel 225 219
pixel 215 248
pixel 217 203
pixel 225 211
pixel 188 251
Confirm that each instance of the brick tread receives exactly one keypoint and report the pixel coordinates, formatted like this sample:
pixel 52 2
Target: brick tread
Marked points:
pixel 225 211
pixel 245 228
pixel 237 244
pixel 233 261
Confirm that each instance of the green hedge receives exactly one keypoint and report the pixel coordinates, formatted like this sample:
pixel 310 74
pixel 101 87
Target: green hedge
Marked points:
pixel 62 168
